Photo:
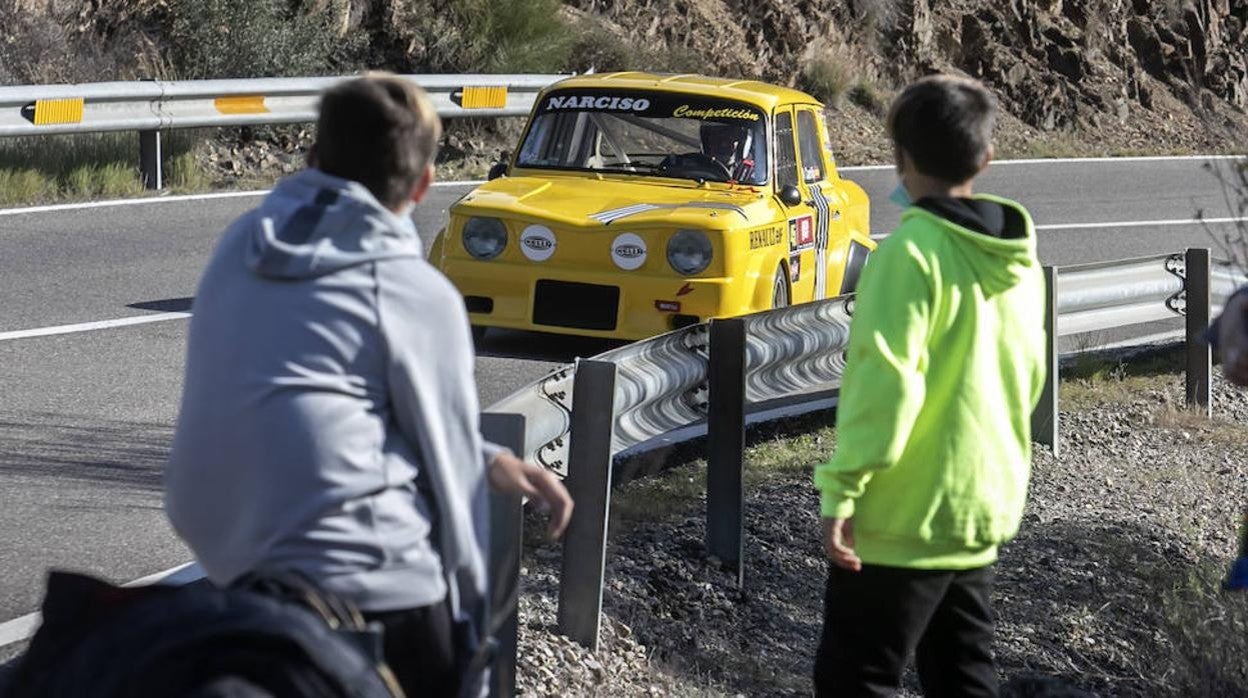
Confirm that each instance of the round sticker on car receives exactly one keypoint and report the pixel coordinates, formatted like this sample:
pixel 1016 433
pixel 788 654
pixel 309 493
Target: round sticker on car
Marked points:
pixel 537 242
pixel 628 251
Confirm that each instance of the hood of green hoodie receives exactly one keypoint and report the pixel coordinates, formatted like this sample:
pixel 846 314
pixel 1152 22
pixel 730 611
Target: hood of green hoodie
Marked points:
pixel 999 263
pixel 313 223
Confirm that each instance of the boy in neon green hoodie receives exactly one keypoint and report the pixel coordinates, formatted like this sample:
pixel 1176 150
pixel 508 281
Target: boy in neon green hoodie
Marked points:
pixel 945 365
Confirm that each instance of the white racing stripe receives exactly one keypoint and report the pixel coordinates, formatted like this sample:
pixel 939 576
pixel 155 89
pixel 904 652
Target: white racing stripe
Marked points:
pixel 89 326
pixel 52 208
pixel 20 629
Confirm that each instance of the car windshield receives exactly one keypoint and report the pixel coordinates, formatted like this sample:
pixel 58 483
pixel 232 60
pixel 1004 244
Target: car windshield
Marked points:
pixel 648 133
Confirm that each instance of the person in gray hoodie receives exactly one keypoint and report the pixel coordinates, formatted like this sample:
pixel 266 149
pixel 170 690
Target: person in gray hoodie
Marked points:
pixel 329 417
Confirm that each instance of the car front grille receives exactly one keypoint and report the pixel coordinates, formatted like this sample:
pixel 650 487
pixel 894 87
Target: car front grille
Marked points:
pixel 579 306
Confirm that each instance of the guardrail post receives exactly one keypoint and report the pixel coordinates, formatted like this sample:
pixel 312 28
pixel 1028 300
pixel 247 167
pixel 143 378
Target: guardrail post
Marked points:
pixel 725 445
pixel 151 159
pixel 506 540
pixel 589 483
pixel 1199 353
pixel 1044 419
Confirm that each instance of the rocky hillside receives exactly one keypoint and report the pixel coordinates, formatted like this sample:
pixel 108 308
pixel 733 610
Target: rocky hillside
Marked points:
pixel 1074 76
pixel 1126 74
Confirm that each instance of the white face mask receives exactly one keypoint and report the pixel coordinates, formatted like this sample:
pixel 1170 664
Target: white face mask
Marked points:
pixel 901 196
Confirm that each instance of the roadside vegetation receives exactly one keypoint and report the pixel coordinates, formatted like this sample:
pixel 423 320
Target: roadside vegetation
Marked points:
pixel 91 166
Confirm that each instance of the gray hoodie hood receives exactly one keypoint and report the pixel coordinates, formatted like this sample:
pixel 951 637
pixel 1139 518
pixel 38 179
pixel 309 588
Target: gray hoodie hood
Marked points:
pixel 313 224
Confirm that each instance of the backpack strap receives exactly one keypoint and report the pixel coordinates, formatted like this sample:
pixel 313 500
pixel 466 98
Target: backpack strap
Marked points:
pixel 298 587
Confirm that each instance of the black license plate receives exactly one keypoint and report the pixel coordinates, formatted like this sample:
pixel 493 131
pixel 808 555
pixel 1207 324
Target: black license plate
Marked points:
pixel 575 305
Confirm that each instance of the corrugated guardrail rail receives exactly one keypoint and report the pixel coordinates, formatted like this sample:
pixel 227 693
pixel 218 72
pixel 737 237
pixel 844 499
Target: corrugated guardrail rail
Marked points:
pixel 662 382
pixel 34 110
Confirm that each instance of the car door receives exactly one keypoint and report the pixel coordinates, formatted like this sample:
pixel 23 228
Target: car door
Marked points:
pixel 801 213
pixel 826 201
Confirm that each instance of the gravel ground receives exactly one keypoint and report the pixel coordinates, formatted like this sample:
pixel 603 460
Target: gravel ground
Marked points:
pixel 1110 588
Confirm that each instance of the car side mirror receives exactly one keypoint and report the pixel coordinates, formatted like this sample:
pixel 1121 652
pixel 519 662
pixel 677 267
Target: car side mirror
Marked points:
pixel 790 195
pixel 498 170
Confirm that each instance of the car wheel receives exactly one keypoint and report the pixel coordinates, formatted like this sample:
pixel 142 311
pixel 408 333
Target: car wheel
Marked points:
pixel 780 289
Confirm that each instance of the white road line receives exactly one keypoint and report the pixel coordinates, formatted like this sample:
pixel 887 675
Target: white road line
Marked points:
pixel 1140 158
pixel 52 208
pixel 130 202
pixel 20 629
pixel 1123 224
pixel 470 183
pixel 1070 161
pixel 162 317
pixel 1142 224
pixel 89 326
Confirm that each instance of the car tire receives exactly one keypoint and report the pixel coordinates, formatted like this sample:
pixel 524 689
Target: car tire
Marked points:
pixel 780 289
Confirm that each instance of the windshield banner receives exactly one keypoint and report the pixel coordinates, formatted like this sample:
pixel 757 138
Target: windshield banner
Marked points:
pixel 652 105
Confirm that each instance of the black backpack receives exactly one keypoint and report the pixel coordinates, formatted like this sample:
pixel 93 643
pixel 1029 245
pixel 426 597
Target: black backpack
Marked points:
pixel 266 636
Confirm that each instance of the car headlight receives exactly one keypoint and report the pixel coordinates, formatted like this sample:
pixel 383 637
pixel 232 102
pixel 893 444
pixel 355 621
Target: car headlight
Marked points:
pixel 689 252
pixel 484 238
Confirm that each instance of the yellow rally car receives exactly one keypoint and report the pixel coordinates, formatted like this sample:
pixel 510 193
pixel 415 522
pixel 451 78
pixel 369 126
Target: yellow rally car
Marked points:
pixel 639 203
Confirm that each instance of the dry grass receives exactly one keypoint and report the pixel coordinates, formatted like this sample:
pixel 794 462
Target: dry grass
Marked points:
pixel 1207 631
pixel 91 166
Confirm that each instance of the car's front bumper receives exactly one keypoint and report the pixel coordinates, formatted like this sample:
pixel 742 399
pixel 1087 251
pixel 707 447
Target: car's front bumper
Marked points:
pixel 611 304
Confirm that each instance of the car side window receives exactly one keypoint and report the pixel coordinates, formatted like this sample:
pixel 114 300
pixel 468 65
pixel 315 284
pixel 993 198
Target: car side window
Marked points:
pixel 812 152
pixel 786 156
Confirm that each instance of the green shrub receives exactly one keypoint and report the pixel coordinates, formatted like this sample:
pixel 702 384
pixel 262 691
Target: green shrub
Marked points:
pixel 254 38
pixel 827 79
pixel 605 51
pixel 512 37
pixel 865 95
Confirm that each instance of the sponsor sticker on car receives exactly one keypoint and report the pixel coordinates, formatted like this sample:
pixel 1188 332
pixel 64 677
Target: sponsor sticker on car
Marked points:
pixel 537 242
pixel 628 251
pixel 802 232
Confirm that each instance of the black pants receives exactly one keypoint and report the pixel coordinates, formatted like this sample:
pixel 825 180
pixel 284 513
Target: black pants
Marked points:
pixel 420 649
pixel 874 619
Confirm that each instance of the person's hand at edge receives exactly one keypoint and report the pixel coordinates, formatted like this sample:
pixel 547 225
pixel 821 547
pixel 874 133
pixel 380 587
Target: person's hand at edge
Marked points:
pixel 1233 339
pixel 838 544
pixel 511 475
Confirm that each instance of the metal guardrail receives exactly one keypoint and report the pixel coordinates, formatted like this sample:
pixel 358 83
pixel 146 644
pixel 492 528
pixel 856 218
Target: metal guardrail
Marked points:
pixel 35 110
pixel 150 107
pixel 799 350
pixel 638 393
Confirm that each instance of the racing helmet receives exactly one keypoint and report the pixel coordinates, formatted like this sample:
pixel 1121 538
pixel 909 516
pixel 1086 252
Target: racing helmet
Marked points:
pixel 727 143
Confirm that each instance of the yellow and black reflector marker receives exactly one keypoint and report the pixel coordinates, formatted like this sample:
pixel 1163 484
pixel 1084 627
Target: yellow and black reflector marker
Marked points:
pixel 49 112
pixel 241 104
pixel 481 97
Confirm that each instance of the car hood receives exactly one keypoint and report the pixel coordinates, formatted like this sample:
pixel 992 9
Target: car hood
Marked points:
pixel 589 202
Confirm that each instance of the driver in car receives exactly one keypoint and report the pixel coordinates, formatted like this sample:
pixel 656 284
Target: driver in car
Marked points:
pixel 728 145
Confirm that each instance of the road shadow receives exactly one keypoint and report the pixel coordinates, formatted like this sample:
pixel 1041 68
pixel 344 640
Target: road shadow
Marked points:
pixel 58 446
pixel 542 346
pixel 166 305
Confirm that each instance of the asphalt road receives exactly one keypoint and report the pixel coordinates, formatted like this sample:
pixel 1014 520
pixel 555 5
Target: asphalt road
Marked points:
pixel 86 417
